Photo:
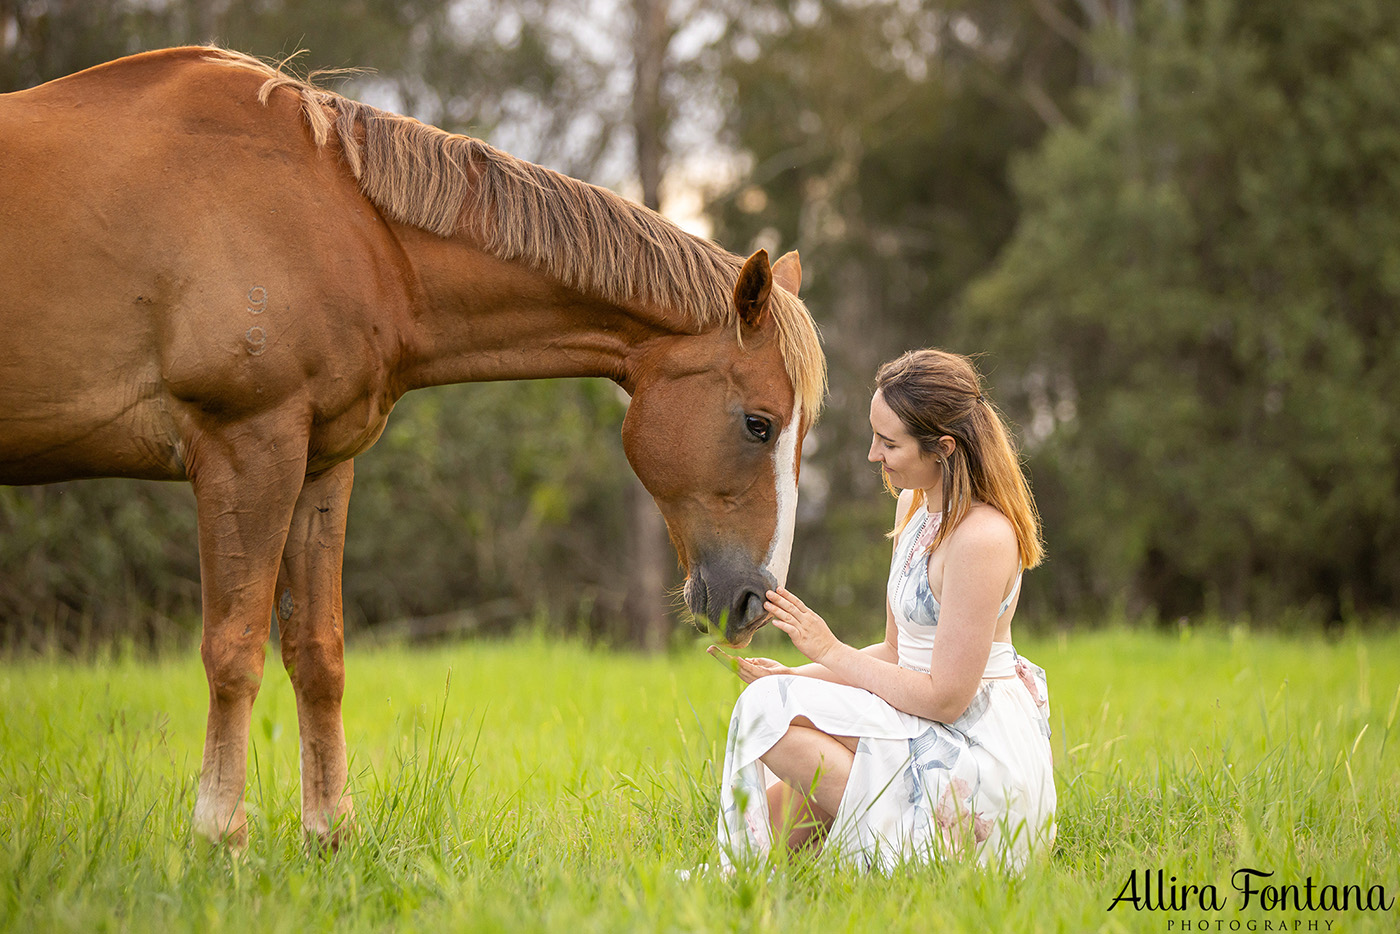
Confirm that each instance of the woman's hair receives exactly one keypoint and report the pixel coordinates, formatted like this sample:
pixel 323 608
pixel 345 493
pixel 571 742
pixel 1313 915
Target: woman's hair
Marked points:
pixel 936 393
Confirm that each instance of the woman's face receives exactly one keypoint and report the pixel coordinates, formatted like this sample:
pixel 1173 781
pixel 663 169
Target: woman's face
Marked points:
pixel 896 451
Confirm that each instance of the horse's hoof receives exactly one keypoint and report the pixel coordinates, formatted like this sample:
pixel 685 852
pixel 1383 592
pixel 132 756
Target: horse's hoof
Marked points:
pixel 328 839
pixel 226 835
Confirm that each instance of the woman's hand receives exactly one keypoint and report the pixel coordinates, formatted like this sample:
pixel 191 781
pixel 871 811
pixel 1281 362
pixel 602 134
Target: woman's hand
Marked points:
pixel 749 670
pixel 808 631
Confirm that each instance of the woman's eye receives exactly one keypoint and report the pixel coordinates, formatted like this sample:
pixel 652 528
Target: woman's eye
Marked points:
pixel 758 427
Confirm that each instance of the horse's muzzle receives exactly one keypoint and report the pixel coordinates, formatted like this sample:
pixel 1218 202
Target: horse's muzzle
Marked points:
pixel 727 593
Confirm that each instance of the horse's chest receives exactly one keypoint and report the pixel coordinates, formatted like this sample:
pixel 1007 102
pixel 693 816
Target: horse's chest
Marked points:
pixel 345 425
pixel 344 438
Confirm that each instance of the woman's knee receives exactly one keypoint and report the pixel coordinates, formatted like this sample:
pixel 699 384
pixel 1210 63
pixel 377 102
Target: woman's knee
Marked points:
pixel 766 695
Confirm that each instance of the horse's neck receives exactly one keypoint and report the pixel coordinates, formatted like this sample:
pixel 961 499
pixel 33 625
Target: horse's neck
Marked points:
pixel 476 317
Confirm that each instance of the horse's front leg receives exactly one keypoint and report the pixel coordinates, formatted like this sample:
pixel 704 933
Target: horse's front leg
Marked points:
pixel 246 480
pixel 313 643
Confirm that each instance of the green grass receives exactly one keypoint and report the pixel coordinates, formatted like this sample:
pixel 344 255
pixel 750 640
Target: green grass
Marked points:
pixel 545 786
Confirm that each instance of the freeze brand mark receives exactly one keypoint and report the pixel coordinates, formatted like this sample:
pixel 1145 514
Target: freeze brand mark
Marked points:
pixel 1168 895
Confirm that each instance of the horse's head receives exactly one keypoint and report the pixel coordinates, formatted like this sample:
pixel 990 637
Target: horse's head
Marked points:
pixel 714 432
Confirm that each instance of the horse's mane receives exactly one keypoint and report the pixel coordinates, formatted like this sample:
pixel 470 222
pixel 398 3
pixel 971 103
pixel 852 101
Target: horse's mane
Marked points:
pixel 583 235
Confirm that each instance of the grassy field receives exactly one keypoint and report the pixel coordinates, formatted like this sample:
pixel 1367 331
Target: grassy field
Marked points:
pixel 532 785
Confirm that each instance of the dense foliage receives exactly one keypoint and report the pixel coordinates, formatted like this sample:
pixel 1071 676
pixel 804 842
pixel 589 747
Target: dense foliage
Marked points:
pixel 1198 315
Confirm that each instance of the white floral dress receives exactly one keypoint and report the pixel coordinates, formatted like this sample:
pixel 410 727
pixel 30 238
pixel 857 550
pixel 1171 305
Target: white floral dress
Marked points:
pixel 918 789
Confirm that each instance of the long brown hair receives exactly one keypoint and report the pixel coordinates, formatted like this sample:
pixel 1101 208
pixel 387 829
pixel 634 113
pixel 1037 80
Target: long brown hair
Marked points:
pixel 936 393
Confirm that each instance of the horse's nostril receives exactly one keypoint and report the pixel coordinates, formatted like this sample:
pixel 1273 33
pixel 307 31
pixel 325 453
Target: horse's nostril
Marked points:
pixel 750 607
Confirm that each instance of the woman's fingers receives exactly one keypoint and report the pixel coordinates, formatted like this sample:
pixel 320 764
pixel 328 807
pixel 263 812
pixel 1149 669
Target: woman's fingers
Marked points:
pixel 751 669
pixel 783 595
pixel 778 612
pixel 785 603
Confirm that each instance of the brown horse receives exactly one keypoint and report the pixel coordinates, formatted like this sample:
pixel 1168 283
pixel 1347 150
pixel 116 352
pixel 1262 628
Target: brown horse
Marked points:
pixel 217 273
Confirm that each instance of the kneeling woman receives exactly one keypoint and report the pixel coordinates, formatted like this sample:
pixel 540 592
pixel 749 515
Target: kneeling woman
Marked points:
pixel 935 742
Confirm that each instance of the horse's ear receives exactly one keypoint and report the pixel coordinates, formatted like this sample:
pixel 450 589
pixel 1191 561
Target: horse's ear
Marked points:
pixel 787 272
pixel 752 290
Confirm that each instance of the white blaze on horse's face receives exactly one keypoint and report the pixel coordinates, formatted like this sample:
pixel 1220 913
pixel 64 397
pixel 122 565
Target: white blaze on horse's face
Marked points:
pixel 785 471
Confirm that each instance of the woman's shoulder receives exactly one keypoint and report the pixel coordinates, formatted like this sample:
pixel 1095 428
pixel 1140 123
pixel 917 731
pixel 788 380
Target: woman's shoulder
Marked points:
pixel 906 503
pixel 984 530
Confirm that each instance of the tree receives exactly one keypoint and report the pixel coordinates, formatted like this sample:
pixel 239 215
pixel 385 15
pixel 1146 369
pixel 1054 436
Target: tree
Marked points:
pixel 647 552
pixel 1197 316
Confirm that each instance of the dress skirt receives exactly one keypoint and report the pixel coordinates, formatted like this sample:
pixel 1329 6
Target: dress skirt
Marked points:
pixel 919 790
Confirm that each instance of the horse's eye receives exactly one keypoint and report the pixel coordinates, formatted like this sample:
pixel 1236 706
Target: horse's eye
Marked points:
pixel 758 427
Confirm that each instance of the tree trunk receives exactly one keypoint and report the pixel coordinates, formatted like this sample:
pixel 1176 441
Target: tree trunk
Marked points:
pixel 645 606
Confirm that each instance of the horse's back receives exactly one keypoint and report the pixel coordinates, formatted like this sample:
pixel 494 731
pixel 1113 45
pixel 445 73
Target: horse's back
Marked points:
pixel 129 127
pixel 123 112
pixel 123 78
pixel 163 233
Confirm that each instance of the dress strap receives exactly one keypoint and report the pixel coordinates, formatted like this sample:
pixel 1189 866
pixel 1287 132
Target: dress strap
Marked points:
pixel 1015 588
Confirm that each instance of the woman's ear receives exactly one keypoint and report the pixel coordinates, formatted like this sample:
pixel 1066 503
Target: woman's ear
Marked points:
pixel 946 445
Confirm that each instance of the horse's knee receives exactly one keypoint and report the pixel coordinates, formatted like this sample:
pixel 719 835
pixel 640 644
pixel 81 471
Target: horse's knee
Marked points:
pixel 317 670
pixel 234 670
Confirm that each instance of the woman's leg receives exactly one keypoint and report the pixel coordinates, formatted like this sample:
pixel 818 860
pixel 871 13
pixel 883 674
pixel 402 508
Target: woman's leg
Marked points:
pixel 812 768
pixel 794 818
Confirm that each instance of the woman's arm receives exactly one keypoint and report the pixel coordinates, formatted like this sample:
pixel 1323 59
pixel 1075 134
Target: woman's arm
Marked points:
pixel 979 558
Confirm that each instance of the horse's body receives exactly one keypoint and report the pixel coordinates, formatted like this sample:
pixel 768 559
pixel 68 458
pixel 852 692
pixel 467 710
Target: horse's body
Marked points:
pixel 203 285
